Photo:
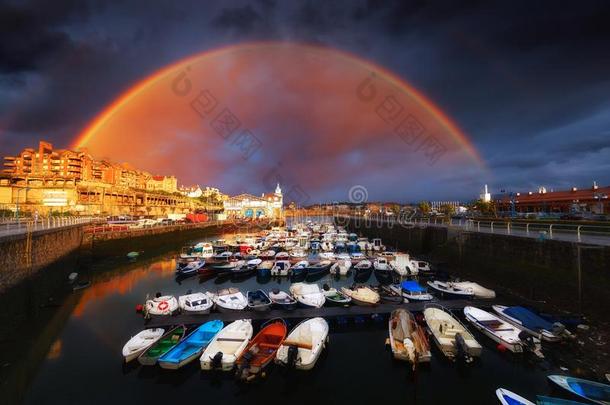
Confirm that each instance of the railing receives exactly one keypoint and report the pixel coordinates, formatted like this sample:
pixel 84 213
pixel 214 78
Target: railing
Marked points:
pixel 24 225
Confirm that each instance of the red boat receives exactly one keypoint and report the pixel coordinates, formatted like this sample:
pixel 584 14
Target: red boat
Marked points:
pixel 261 350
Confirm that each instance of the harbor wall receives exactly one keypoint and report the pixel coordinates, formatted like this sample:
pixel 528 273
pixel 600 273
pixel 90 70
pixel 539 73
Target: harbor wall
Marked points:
pixel 540 272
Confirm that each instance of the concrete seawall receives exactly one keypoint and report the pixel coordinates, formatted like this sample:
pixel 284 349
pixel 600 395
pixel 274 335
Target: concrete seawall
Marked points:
pixel 543 272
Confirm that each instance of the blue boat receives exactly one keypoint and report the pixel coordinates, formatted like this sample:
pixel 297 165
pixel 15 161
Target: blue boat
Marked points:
pixel 532 323
pixel 542 400
pixel 191 346
pixel 507 397
pixel 412 290
pixel 590 390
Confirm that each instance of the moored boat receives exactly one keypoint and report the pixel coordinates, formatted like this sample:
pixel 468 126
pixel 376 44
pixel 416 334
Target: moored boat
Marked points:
pixel 191 347
pixel 227 346
pixel 532 323
pixel 261 350
pixel 161 305
pixel 450 289
pixel 258 300
pixel 408 339
pixel 412 291
pixel 450 335
pixel 282 300
pixel 308 295
pixel 362 270
pixel 304 344
pixel 140 342
pixel 319 268
pixel 229 299
pixel 590 390
pixel 150 356
pixel 362 295
pixel 280 268
pixel 341 267
pixel 335 297
pixel 189 267
pixel 195 303
pixel 477 290
pixel 507 397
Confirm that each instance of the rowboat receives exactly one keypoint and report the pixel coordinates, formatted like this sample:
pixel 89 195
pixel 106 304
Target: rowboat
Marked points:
pixel 341 267
pixel 590 390
pixel 229 299
pixel 195 303
pixel 450 289
pixel 388 296
pixel 478 290
pixel 227 346
pixel 318 268
pixel 308 295
pixel 282 300
pixel 191 347
pixel 335 297
pixel 451 337
pixel 261 350
pixel 258 300
pixel 140 342
pixel 189 267
pixel 408 339
pixel 532 323
pixel 150 356
pixel 162 305
pixel 507 397
pixel 542 400
pixel 304 344
pixel 361 295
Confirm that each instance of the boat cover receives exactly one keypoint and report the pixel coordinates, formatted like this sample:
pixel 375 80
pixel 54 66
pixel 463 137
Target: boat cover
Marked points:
pixel 412 286
pixel 529 319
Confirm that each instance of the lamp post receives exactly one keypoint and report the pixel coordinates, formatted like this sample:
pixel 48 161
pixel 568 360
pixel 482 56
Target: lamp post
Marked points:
pixel 600 197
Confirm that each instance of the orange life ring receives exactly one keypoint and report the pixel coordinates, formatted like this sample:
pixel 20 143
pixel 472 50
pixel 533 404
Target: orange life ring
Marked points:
pixel 248 250
pixel 163 305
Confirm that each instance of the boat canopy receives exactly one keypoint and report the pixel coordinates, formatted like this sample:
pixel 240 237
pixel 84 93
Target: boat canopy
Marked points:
pixel 528 318
pixel 412 286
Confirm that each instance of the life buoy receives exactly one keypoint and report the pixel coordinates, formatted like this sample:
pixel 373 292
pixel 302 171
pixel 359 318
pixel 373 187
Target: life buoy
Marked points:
pixel 163 305
pixel 248 250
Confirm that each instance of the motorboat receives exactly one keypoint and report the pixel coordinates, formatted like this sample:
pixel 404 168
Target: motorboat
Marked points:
pixel 389 296
pixel 140 342
pixel 420 266
pixel 264 269
pixel 258 300
pixel 377 245
pixel 364 244
pixel 261 350
pixel 304 344
pixel 161 305
pixel 381 264
pixel 195 303
pixel 308 295
pixel 203 250
pixel 327 255
pixel 478 290
pixel 590 390
pixel 246 269
pixel 227 346
pixel 363 269
pixel 413 291
pixel 362 295
pixel 222 256
pixel 281 268
pixel 229 299
pixel 150 356
pixel 327 246
pixel 450 289
pixel 450 335
pixel 267 254
pixel 299 268
pixel 507 397
pixel 357 256
pixel 544 400
pixel 341 267
pixel 408 339
pixel 319 268
pixel 298 254
pixel 401 264
pixel 532 323
pixel 282 256
pixel 335 297
pixel 191 347
pixel 282 300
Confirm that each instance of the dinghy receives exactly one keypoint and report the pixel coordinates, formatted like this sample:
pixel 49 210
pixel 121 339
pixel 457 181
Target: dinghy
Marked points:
pixel 362 295
pixel 282 300
pixel 191 346
pixel 227 346
pixel 507 397
pixel 150 356
pixel 362 270
pixel 229 299
pixel 258 300
pixel 189 267
pixel 303 346
pixel 318 269
pixel 412 291
pixel 140 342
pixel 532 323
pixel 327 256
pixel 308 295
pixel 298 254
pixel 335 297
pixel 408 339
pixel 387 295
pixel 299 269
pixel 162 305
pixel 542 400
pixel 282 256
pixel 261 350
pixel 590 390
pixel 478 290
pixel 451 337
pixel 450 289
pixel 195 303
pixel 280 268
pixel 341 267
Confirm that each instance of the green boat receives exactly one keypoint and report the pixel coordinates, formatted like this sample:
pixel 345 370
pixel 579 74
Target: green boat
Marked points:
pixel 162 346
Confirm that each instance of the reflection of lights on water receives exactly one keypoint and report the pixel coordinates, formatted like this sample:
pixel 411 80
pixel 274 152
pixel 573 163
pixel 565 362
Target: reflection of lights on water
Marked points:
pixel 55 350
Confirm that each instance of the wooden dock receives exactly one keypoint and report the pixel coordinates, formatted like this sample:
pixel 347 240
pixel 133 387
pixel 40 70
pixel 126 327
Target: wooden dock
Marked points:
pixel 328 313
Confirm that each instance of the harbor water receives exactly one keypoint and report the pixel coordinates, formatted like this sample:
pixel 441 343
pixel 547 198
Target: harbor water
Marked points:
pixel 64 347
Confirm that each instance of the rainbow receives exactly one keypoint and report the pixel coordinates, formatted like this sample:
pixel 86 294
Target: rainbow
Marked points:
pixel 458 135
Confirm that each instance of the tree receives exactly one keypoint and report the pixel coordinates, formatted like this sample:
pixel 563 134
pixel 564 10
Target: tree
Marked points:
pixel 485 207
pixel 424 207
pixel 447 210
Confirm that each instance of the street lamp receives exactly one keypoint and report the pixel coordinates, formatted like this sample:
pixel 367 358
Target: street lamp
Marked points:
pixel 600 197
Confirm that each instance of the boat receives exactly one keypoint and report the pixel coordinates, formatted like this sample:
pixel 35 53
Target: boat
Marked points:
pixel 408 339
pixel 80 285
pixel 356 256
pixel 500 331
pixel 282 300
pixel 377 245
pixel 261 350
pixel 532 323
pixel 362 295
pixel 381 264
pixel 140 342
pixel 319 268
pixel 327 256
pixel 363 269
pixel 335 297
pixel 258 300
pixel 191 347
pixel 364 244
pixel 264 269
pixel 401 264
pixel 304 344
pixel 133 255
pixel 150 356
pixel 450 335
pixel 161 305
pixel 222 256
pixel 412 291
pixel 542 400
pixel 341 267
pixel 299 269
pixel 282 256
pixel 450 289
pixel 298 254
pixel 590 390
pixel 227 346
pixel 195 303
pixel 420 266
pixel 188 267
pixel 280 268
pixel 308 295
pixel 229 299
pixel 327 246
pixel 267 254
pixel 246 269
pixel 507 397
pixel 478 290
pixel 388 295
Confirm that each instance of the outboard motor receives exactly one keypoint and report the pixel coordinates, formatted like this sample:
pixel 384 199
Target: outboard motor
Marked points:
pixel 326 287
pixel 531 343
pixel 217 360
pixel 462 349
pixel 291 359
pixel 558 329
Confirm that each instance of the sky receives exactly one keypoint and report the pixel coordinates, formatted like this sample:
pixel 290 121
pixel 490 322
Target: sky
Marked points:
pixel 527 82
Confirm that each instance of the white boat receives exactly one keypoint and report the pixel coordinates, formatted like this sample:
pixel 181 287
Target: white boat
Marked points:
pixel 420 265
pixel 358 256
pixel 532 323
pixel 478 290
pixel 451 337
pixel 280 268
pixel 449 288
pixel 189 266
pixel 304 344
pixel 268 254
pixel 227 346
pixel 401 264
pixel 140 342
pixel 327 256
pixel 408 339
pixel 282 256
pixel 507 397
pixel 298 253
pixel 229 299
pixel 341 267
pixel 362 295
pixel 195 303
pixel 412 291
pixel 162 305
pixel 206 249
pixel 327 246
pixel 495 328
pixel 377 245
pixel 308 295
pixel 254 262
pixel 364 244
pixel 381 264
